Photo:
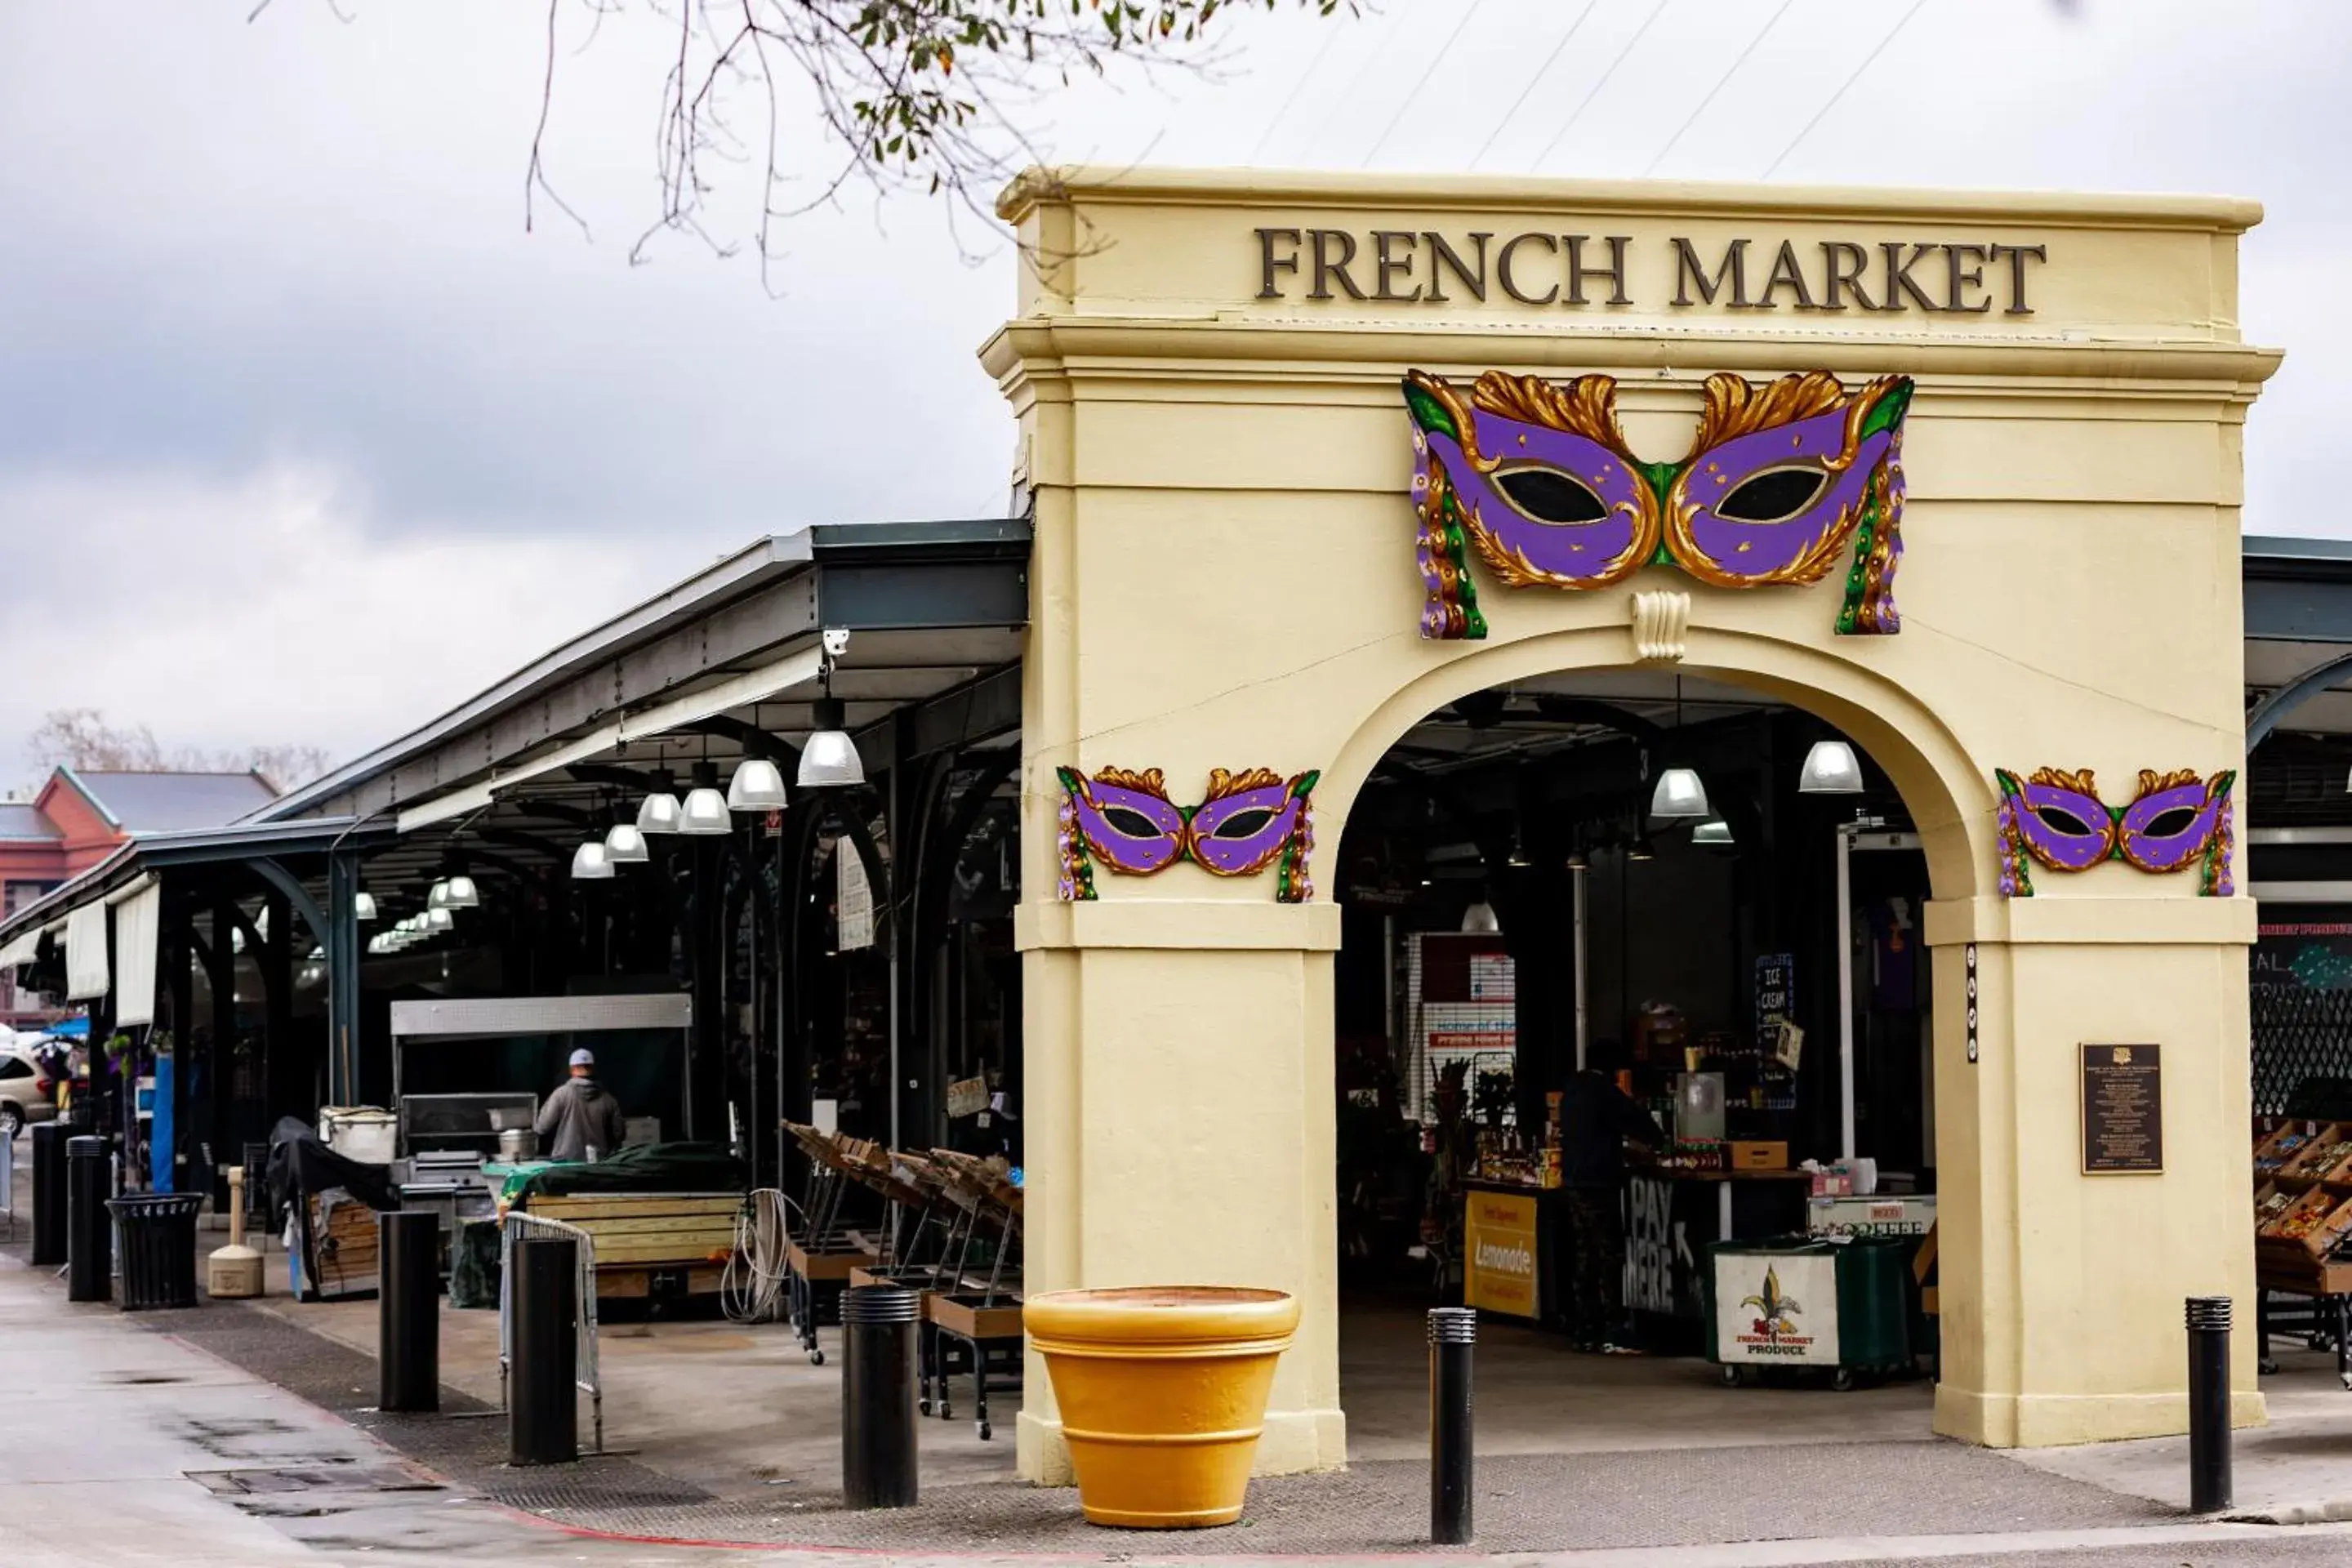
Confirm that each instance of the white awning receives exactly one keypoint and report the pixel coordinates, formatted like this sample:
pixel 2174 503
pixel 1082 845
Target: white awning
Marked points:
pixel 86 969
pixel 138 926
pixel 21 949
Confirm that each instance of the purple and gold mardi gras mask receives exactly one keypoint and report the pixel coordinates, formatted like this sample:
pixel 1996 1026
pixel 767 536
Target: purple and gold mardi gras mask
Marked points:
pixel 2056 817
pixel 1538 478
pixel 1125 819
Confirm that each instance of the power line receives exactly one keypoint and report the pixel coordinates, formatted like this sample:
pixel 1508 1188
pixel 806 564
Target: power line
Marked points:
pixel 1597 86
pixel 1379 54
pixel 1330 37
pixel 1721 83
pixel 1867 60
pixel 1434 61
pixel 1541 71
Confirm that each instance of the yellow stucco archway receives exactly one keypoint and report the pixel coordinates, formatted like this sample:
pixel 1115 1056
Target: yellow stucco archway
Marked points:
pixel 1903 734
pixel 1223 576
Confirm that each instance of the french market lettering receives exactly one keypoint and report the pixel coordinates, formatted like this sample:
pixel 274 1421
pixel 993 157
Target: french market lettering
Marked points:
pixel 1426 267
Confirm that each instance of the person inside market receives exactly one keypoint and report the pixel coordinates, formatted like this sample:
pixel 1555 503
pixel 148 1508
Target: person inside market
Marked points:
pixel 580 1121
pixel 1597 1120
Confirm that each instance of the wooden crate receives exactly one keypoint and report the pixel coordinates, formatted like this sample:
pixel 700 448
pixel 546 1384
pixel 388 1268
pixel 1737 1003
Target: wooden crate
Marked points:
pixel 2325 1157
pixel 960 1315
pixel 2313 1223
pixel 827 1265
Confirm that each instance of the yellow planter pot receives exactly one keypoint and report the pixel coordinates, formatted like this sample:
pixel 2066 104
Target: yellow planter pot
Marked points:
pixel 1163 1393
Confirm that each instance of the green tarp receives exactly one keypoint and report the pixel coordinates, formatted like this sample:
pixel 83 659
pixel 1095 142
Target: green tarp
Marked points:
pixel 641 1168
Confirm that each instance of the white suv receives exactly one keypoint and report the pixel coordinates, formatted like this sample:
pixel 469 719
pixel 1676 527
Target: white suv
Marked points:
pixel 24 1093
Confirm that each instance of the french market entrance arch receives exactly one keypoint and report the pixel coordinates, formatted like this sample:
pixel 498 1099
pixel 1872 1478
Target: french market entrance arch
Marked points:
pixel 1241 595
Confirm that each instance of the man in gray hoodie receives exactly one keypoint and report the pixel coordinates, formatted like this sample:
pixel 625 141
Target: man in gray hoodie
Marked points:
pixel 580 1121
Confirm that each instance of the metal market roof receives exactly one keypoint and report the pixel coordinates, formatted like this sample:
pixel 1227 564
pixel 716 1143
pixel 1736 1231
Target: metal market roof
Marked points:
pixel 21 822
pixel 171 802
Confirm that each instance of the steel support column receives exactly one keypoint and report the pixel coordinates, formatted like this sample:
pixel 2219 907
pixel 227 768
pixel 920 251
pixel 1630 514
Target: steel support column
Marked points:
pixel 342 946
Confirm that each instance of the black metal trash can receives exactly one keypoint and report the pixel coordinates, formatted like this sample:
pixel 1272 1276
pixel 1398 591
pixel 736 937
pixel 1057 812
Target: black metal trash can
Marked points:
pixel 156 1238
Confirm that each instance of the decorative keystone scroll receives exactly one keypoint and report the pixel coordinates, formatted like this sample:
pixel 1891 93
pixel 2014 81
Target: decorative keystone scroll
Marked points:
pixel 1661 622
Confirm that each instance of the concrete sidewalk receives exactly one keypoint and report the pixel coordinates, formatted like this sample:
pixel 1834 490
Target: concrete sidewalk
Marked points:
pixel 236 1433
pixel 131 1445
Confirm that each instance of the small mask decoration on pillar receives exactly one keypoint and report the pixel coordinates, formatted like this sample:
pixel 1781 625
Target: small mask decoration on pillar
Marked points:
pixel 2057 818
pixel 1783 481
pixel 1248 822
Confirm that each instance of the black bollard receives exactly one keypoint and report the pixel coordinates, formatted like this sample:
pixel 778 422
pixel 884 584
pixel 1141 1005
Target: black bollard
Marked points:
pixel 542 1409
pixel 408 1311
pixel 49 1194
pixel 90 1229
pixel 877 1395
pixel 1452 1331
pixel 2209 1404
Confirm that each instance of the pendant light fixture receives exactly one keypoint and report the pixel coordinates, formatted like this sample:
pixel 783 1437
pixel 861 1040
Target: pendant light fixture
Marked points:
pixel 363 906
pixel 1641 850
pixel 829 759
pixel 658 812
pixel 758 786
pixel 438 920
pixel 1680 795
pixel 463 895
pixel 705 814
pixel 624 845
pixel 1831 768
pixel 592 862
pixel 1480 920
pixel 1714 834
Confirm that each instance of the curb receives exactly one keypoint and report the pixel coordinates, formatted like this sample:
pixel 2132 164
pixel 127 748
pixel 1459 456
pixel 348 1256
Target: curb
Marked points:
pixel 2332 1512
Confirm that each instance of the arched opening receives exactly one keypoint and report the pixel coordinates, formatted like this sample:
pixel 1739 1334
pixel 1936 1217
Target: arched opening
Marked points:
pixel 1578 901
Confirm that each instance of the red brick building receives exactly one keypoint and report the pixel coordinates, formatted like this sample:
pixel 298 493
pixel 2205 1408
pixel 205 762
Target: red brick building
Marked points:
pixel 79 817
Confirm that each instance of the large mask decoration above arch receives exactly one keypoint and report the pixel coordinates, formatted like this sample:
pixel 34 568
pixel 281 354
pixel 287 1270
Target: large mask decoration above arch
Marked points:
pixel 2057 817
pixel 1783 481
pixel 1245 823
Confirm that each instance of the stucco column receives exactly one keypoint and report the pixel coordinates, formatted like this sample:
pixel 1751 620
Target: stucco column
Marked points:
pixel 2062 1291
pixel 1172 1064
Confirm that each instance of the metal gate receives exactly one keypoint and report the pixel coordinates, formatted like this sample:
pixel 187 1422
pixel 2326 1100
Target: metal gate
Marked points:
pixel 519 1226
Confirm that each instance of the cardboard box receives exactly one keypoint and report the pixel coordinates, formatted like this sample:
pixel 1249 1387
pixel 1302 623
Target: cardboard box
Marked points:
pixel 1753 1156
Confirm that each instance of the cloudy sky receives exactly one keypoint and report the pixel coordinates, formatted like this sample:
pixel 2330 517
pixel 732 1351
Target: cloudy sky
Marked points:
pixel 303 438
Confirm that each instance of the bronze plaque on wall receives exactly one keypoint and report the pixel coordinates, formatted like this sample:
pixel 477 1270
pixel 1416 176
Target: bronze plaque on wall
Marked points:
pixel 2123 1109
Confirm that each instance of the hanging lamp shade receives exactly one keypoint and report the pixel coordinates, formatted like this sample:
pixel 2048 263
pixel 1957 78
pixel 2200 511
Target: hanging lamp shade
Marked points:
pixel 1641 850
pixel 758 786
pixel 1480 920
pixel 363 906
pixel 463 894
pixel 829 760
pixel 1679 795
pixel 658 813
pixel 624 845
pixel 1714 832
pixel 437 920
pixel 1831 768
pixel 438 898
pixel 705 814
pixel 592 862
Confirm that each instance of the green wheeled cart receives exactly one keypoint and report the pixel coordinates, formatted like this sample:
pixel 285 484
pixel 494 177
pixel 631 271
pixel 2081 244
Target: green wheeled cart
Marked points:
pixel 1834 1305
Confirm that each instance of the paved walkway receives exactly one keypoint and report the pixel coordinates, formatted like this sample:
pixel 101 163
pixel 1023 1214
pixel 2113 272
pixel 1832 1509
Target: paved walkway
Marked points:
pixel 232 1435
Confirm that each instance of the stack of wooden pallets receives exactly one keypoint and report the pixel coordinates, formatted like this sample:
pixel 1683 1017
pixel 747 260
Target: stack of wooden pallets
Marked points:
pixel 649 1243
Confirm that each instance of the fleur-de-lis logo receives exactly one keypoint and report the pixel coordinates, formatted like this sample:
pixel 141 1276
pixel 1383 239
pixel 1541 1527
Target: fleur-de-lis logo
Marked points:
pixel 1776 1309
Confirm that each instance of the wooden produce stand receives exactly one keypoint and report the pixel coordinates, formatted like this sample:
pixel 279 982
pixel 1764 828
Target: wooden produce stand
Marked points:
pixel 652 1244
pixel 2302 1216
